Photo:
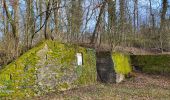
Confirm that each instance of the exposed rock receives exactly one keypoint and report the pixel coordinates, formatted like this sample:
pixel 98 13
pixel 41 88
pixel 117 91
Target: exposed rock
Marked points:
pixel 119 77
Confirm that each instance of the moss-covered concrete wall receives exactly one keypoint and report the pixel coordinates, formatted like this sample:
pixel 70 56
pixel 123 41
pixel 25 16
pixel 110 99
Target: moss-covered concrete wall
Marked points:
pixel 122 63
pixel 52 66
pixel 152 64
pixel 48 67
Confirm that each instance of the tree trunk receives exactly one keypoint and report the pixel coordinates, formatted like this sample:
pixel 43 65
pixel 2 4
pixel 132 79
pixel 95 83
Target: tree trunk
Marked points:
pixel 152 15
pixel 56 17
pixel 47 16
pixel 75 18
pixel 30 28
pixel 122 20
pixel 98 22
pixel 135 20
pixel 111 21
pixel 163 37
pixel 105 67
pixel 14 22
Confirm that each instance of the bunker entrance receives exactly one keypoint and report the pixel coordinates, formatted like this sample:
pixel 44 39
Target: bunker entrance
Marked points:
pixel 105 67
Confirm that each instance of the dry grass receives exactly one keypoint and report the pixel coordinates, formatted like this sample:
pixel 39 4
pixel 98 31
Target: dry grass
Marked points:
pixel 142 87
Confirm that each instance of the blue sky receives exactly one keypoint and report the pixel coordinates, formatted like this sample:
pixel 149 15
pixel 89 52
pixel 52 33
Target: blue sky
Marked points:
pixel 143 7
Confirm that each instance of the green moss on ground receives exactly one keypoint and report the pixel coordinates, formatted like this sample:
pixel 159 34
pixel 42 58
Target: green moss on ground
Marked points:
pixel 152 64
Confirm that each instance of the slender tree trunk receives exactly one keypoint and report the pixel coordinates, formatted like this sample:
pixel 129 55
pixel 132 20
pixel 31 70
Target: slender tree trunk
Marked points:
pixel 152 15
pixel 162 26
pixel 14 22
pixel 111 20
pixel 135 21
pixel 30 27
pixel 122 19
pixel 47 16
pixel 56 17
pixel 98 22
pixel 75 18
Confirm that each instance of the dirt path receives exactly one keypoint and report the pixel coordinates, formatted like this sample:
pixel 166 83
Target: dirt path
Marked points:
pixel 141 87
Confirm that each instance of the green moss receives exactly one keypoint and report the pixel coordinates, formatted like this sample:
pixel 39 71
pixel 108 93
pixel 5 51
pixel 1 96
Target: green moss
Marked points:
pixel 121 63
pixel 20 77
pixel 65 56
pixel 63 86
pixel 153 64
pixel 88 69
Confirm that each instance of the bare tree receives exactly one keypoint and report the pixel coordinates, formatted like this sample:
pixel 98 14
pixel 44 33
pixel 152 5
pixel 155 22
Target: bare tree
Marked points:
pixel 75 20
pixel 30 26
pixel 162 36
pixel 152 14
pixel 14 22
pixel 98 21
pixel 111 20
pixel 135 21
pixel 122 19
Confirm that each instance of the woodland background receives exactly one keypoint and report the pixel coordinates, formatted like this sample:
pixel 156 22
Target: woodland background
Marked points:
pixel 133 23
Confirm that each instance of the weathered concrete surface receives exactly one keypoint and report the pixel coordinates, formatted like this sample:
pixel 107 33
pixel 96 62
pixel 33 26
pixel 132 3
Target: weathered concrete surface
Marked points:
pixel 104 65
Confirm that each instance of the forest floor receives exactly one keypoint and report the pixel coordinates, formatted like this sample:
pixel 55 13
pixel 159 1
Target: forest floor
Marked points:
pixel 140 87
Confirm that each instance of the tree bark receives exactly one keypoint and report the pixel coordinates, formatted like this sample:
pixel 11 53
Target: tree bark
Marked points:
pixel 75 18
pixel 152 15
pixel 56 16
pixel 98 21
pixel 122 19
pixel 111 21
pixel 30 27
pixel 14 22
pixel 162 37
pixel 135 21
pixel 47 16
